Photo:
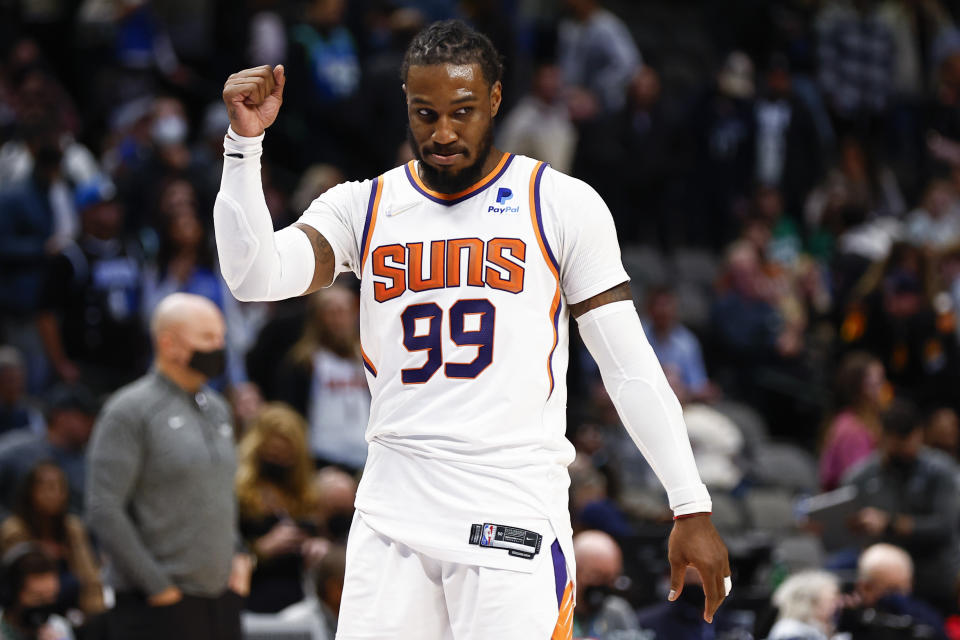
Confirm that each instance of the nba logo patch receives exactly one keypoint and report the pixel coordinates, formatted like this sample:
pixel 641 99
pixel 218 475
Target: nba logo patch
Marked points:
pixel 488 532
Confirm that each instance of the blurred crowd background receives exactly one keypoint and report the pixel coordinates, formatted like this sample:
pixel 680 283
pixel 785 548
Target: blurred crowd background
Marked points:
pixel 785 180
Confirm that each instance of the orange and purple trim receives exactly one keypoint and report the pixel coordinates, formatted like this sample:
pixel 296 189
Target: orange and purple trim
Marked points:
pixel 552 264
pixel 366 362
pixel 454 198
pixel 376 190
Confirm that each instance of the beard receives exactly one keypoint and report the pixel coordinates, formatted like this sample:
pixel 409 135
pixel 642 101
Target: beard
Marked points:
pixel 446 181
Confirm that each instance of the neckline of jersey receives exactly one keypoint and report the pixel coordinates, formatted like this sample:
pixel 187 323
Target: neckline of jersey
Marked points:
pixel 453 198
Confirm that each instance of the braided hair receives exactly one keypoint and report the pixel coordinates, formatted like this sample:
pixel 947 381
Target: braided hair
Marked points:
pixel 453 42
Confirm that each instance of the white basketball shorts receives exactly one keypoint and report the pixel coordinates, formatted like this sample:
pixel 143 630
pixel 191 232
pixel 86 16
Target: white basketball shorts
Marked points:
pixel 392 592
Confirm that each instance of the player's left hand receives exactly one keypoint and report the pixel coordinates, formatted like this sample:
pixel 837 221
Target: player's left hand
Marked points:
pixel 695 542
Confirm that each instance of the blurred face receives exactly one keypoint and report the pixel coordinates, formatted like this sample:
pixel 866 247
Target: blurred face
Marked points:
pixel 278 450
pixel 663 311
pixel 874 384
pixel 185 229
pixel 450 109
pixel 885 580
pixel 901 452
pixel 104 220
pixel 645 88
pixel 39 590
pixel 11 384
pixel 826 607
pixel 943 432
pixel 50 492
pixel 547 83
pixel 204 333
pixel 72 427
pixel 769 203
pixel 178 195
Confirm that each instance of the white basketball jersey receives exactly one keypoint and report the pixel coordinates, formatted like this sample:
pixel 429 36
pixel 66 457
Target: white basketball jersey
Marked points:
pixel 464 314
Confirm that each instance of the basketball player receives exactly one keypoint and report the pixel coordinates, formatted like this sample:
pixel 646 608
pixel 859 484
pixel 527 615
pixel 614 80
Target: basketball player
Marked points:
pixel 471 261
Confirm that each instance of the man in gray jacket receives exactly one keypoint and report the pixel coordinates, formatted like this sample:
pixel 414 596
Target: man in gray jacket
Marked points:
pixel 160 487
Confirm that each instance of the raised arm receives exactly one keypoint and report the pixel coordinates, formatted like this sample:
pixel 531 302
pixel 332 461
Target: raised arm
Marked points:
pixel 258 263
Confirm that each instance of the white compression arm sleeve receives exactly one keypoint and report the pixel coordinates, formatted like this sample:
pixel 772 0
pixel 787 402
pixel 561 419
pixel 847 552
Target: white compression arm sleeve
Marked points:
pixel 257 263
pixel 647 405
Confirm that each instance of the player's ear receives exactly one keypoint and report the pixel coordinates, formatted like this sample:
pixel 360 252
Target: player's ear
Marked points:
pixel 403 88
pixel 496 95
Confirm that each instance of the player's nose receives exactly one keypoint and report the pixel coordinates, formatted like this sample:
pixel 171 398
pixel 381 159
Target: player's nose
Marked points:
pixel 444 133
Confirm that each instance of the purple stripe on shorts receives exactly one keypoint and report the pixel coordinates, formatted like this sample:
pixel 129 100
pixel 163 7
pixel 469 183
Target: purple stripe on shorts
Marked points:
pixel 559 569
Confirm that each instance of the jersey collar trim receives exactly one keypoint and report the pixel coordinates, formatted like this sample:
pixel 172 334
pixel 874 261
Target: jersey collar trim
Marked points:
pixel 453 198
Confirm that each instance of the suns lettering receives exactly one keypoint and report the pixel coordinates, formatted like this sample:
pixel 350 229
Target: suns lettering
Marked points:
pixel 497 263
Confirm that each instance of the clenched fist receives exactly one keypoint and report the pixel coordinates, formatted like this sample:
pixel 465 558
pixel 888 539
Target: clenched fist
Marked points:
pixel 253 98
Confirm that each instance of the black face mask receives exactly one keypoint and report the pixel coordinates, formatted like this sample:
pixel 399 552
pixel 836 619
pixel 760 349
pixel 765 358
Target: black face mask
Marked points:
pixel 211 364
pixel 903 465
pixel 278 473
pixel 693 596
pixel 594 596
pixel 338 525
pixel 32 618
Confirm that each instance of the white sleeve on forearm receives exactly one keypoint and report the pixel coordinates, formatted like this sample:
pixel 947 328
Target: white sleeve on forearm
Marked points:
pixel 647 405
pixel 257 263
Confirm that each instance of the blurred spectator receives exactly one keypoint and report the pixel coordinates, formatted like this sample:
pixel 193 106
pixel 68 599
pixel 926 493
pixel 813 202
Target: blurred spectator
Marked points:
pixel 156 154
pixel 26 226
pixel 749 328
pixel 717 442
pixel 788 154
pixel 185 261
pixel 681 619
pixel 935 224
pixel 862 392
pixel 943 431
pixel 41 517
pixel 70 415
pixel 885 584
pixel 278 508
pixel 598 57
pixel 91 298
pixel 651 155
pixel 598 612
pixel 722 126
pixel 856 56
pixel 911 500
pixel 893 317
pixel 336 492
pixel 324 72
pixel 539 125
pixel 29 595
pixel 329 581
pixel 16 410
pixel 593 494
pixel 246 402
pixel 323 378
pixel 675 345
pixel 314 182
pixel 807 603
pixel 160 493
pixel 859 189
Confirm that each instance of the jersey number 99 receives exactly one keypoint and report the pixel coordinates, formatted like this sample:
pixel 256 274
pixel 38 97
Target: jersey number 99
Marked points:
pixel 480 336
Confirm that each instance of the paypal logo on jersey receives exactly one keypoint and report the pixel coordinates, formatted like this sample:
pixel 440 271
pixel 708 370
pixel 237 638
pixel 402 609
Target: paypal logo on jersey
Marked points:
pixel 503 194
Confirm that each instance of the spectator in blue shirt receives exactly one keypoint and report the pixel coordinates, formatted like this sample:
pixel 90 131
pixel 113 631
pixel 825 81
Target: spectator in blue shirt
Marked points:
pixel 675 345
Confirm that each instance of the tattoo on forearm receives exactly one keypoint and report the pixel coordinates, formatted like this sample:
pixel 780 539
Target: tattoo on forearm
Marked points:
pixel 323 254
pixel 615 294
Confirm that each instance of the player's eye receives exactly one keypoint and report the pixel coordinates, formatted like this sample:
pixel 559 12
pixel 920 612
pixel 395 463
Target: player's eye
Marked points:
pixel 426 114
pixel 462 111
